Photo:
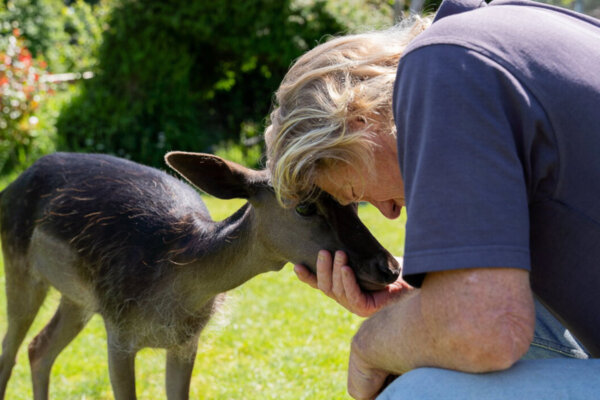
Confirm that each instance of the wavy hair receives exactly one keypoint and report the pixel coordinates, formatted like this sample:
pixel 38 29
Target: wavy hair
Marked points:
pixel 329 105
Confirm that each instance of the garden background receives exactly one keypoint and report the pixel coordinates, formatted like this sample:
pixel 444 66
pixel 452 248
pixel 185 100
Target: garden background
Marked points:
pixel 137 78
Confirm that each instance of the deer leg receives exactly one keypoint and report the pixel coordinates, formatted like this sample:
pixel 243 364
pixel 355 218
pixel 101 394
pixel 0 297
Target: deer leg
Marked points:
pixel 180 363
pixel 121 365
pixel 24 297
pixel 67 322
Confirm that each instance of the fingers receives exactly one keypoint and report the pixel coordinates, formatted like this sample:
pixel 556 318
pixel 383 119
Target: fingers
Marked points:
pixel 305 275
pixel 329 276
pixel 324 272
pixel 337 280
pixel 354 295
pixel 350 284
pixel 337 284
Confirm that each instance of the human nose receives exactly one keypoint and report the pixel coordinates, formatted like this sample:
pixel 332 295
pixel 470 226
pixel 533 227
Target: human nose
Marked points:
pixel 388 208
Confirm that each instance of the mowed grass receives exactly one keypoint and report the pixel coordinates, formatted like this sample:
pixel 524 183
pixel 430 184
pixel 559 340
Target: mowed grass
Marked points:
pixel 274 338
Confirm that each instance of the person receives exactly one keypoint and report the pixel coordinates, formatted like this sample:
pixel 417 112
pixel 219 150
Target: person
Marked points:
pixel 484 123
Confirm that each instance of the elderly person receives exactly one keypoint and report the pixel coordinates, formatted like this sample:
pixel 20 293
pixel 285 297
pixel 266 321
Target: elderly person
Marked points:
pixel 485 124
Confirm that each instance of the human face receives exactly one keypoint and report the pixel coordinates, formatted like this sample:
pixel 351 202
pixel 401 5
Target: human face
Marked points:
pixel 382 186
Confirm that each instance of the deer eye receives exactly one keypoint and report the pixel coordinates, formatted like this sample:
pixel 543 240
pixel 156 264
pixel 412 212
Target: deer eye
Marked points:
pixel 306 209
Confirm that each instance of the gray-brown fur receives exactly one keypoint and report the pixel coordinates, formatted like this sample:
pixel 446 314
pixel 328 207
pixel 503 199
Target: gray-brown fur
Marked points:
pixel 139 247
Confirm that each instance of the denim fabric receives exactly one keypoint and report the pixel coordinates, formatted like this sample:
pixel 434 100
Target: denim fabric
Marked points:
pixel 555 367
pixel 551 339
pixel 547 379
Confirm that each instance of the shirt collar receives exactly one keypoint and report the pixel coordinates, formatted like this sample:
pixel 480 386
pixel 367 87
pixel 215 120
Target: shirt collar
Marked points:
pixel 451 7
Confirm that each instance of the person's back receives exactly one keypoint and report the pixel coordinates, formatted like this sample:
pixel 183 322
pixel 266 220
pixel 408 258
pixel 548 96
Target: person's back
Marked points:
pixel 498 116
pixel 495 109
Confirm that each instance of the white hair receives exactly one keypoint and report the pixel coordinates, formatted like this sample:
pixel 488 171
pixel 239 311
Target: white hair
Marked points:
pixel 330 104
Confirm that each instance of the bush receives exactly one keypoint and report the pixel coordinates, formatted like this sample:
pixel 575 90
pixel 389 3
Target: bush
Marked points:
pixel 21 92
pixel 188 75
pixel 65 36
pixel 38 37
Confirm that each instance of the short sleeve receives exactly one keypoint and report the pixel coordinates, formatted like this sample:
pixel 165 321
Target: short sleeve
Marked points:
pixel 462 123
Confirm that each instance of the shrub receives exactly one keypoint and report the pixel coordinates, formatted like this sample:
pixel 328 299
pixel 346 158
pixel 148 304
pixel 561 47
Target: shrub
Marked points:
pixel 37 37
pixel 65 36
pixel 188 75
pixel 21 92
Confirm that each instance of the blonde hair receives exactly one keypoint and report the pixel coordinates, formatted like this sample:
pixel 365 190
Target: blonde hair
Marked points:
pixel 330 104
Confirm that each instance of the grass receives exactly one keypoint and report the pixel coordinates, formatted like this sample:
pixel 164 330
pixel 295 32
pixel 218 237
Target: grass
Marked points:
pixel 275 338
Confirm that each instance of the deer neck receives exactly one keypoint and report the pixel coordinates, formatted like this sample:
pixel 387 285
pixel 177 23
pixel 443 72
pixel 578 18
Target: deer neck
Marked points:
pixel 231 256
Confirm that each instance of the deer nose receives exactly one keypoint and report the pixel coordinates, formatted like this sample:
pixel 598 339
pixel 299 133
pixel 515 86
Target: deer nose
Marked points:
pixel 378 272
pixel 390 274
pixel 387 268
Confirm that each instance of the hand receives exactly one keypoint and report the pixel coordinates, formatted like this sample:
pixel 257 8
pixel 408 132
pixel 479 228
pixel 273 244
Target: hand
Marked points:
pixel 364 381
pixel 337 280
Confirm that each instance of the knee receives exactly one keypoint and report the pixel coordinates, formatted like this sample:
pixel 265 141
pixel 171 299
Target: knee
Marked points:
pixel 546 377
pixel 430 383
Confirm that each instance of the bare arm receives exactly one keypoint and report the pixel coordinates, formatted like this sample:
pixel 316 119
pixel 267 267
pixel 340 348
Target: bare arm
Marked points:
pixel 472 320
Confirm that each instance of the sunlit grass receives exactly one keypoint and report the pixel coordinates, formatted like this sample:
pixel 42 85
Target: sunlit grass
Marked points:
pixel 275 338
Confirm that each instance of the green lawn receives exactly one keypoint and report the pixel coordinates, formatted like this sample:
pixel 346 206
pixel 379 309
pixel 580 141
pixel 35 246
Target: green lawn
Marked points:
pixel 275 338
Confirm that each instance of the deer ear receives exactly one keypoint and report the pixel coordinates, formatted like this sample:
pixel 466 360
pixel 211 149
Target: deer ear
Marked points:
pixel 216 176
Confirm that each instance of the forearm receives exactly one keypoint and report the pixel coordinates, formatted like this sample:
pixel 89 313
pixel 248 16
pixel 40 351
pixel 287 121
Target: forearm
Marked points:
pixel 397 339
pixel 485 325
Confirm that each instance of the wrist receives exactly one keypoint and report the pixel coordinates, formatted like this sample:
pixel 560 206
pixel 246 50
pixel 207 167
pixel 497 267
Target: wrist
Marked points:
pixel 365 381
pixel 373 342
pixel 386 340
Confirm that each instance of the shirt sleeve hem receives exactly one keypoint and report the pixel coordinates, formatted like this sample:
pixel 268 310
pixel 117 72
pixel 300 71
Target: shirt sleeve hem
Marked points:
pixel 481 257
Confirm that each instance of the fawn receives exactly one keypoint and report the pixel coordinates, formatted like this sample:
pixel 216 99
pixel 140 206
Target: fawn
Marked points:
pixel 138 247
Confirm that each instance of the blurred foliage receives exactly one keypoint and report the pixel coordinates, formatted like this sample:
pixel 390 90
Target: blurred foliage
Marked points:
pixel 168 75
pixel 65 36
pixel 431 6
pixel 38 38
pixel 38 23
pixel 21 92
pixel 360 15
pixel 195 75
pixel 591 7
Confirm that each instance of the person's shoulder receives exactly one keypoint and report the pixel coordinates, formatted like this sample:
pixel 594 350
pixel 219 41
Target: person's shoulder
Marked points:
pixel 501 26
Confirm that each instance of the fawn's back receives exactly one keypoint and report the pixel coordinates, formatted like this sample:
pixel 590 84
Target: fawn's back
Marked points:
pixel 104 231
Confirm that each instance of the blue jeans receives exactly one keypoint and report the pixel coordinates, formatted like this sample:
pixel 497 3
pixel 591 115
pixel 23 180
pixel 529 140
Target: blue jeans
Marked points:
pixel 555 367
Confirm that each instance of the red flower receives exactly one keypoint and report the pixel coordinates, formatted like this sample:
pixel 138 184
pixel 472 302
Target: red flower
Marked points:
pixel 25 58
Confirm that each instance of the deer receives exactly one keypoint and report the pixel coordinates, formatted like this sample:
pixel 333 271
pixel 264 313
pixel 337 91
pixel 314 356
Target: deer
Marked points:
pixel 138 246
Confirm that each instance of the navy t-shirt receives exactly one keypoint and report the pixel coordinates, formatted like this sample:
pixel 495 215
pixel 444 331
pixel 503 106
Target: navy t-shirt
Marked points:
pixel 498 115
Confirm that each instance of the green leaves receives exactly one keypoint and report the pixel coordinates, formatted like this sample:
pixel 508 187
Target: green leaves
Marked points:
pixel 21 90
pixel 193 72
